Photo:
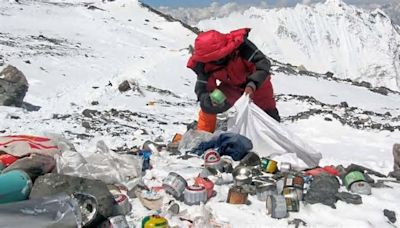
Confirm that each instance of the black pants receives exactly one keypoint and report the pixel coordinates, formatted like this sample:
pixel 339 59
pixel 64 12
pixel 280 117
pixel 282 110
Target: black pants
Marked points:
pixel 274 113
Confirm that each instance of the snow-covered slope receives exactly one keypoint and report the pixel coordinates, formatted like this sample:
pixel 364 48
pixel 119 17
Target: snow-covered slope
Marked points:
pixel 331 36
pixel 74 53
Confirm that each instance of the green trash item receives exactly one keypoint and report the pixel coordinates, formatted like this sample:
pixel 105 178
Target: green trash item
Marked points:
pixel 14 186
pixel 217 96
pixel 353 177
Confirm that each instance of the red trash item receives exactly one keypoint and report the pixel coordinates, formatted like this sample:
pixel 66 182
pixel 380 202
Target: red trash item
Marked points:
pixel 207 184
pixel 7 159
pixel 326 169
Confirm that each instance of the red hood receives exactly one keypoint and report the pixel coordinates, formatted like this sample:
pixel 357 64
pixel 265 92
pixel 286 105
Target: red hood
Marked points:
pixel 213 45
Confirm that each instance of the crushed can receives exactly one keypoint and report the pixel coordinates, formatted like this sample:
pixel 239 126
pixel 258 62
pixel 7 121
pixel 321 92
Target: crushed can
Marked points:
pixel 268 165
pixel 115 222
pixel 154 221
pixel 237 195
pixel 15 186
pixel 174 184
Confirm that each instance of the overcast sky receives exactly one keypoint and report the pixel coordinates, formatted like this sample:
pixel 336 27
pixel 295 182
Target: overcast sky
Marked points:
pixel 203 3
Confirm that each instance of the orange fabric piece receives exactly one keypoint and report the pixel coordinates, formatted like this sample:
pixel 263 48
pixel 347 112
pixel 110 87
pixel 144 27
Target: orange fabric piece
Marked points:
pixel 206 122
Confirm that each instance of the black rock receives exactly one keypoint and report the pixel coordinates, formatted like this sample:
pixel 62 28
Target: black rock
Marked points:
pixel 391 215
pixel 355 167
pixel 323 189
pixel 89 113
pixel 344 104
pixel 86 125
pixel 124 86
pixel 349 198
pixel 327 119
pixel 94 103
pixel 13 87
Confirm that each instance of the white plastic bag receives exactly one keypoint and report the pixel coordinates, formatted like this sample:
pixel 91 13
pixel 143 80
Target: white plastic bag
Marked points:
pixel 269 138
pixel 104 165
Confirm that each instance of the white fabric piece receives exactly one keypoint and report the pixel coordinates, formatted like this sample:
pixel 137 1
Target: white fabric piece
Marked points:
pixel 270 138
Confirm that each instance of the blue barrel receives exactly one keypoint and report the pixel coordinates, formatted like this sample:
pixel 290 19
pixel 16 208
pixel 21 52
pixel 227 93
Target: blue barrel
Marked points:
pixel 14 186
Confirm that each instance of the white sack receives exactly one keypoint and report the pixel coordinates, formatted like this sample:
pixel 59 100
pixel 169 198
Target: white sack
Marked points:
pixel 269 137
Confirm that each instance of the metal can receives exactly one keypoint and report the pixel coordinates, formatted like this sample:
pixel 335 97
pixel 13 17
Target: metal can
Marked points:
pixel 174 184
pixel 115 222
pixel 195 194
pixel 296 182
pixel 154 221
pixel 88 206
pixel 15 186
pixel 263 190
pixel 217 96
pixel 292 200
pixel 237 195
pixel 171 207
pixel 268 165
pixel 242 175
pixel 353 177
pixel 212 159
pixel 276 206
pixel 285 167
pixel 122 205
pixel 207 184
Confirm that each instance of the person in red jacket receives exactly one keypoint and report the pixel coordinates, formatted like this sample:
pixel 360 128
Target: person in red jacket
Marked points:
pixel 239 67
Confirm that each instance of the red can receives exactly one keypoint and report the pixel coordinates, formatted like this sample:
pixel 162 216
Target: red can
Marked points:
pixel 207 184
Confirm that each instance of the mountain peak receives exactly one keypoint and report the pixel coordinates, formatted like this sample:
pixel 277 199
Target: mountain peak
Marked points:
pixel 335 2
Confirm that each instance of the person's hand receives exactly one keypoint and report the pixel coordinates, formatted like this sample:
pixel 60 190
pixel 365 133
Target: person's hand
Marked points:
pixel 249 91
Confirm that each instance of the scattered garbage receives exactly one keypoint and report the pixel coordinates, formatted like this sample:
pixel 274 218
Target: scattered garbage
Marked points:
pixel 195 194
pixel 174 184
pixel 154 221
pixel 349 198
pixel 115 222
pixel 355 181
pixel 276 206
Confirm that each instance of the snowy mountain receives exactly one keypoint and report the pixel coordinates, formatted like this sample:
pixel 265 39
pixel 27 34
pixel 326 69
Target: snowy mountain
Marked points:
pixel 332 36
pixel 75 54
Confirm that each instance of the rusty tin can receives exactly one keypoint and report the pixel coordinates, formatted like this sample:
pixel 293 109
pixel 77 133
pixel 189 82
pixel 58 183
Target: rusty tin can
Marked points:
pixel 237 195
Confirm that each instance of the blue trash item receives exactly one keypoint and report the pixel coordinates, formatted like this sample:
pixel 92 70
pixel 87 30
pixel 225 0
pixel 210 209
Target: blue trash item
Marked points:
pixel 230 144
pixel 146 154
pixel 14 186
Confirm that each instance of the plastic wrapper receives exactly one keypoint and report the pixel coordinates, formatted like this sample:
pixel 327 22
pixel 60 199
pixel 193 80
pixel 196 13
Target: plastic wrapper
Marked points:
pixel 268 136
pixel 104 165
pixel 61 211
pixel 192 138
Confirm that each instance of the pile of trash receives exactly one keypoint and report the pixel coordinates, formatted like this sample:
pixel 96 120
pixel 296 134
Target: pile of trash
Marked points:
pixel 45 182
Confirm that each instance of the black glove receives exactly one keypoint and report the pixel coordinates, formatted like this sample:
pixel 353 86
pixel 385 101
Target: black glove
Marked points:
pixel 208 107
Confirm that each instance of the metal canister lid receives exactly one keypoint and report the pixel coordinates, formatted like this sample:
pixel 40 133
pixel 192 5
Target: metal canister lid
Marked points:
pixel 361 187
pixel 174 184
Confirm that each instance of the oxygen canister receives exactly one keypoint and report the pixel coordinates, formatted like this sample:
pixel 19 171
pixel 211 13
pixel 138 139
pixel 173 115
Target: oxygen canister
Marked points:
pixel 292 200
pixel 14 186
pixel 154 221
pixel 276 206
pixel 361 187
pixel 217 96
pixel 265 189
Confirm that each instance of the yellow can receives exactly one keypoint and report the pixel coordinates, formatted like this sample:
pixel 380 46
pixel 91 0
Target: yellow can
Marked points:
pixel 268 165
pixel 154 221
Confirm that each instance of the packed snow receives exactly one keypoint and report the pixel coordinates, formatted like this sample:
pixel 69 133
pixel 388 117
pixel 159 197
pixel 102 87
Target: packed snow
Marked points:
pixel 73 54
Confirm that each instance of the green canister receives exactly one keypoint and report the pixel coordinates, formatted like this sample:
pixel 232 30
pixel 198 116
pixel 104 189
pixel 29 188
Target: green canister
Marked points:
pixel 14 186
pixel 217 96
pixel 353 177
